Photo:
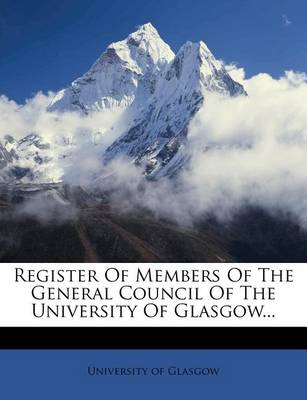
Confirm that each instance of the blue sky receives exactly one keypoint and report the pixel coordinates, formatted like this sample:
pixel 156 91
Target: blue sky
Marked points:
pixel 45 44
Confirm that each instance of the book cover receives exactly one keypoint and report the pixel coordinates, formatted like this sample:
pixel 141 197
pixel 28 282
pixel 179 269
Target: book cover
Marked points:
pixel 153 234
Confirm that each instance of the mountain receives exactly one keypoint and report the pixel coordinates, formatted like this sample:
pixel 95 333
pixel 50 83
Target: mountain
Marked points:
pixel 161 90
pixel 7 151
pixel 164 90
pixel 28 159
pixel 157 138
pixel 125 73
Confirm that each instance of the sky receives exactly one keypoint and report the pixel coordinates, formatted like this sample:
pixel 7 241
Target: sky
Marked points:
pixel 44 45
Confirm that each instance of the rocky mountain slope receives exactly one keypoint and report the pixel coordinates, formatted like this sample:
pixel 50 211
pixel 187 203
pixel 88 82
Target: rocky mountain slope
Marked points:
pixel 93 232
pixel 29 159
pixel 159 135
pixel 97 233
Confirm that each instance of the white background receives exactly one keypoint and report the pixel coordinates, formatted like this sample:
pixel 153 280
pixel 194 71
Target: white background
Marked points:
pixel 289 308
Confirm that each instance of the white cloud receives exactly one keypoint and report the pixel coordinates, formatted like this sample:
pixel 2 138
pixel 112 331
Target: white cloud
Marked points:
pixel 83 138
pixel 245 150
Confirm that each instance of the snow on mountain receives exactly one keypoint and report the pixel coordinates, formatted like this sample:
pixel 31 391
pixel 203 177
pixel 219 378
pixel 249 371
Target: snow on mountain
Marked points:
pixel 28 159
pixel 125 73
pixel 158 136
pixel 142 74
pixel 7 151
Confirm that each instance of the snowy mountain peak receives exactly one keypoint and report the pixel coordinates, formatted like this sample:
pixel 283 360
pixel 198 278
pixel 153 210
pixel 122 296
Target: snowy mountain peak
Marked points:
pixel 147 28
pixel 190 58
pixel 196 64
pixel 159 137
pixel 145 32
pixel 124 74
pixel 144 49
pixel 196 48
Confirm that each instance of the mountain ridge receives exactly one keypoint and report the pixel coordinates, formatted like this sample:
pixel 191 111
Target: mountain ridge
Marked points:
pixel 157 138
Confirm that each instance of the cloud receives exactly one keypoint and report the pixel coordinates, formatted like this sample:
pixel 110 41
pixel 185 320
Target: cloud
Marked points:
pixel 76 141
pixel 285 21
pixel 47 207
pixel 236 73
pixel 243 151
pixel 251 150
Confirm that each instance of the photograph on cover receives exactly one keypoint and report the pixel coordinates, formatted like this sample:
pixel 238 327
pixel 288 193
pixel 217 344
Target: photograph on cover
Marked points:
pixel 185 141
